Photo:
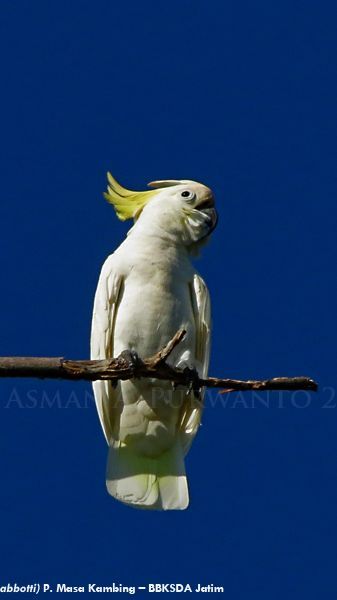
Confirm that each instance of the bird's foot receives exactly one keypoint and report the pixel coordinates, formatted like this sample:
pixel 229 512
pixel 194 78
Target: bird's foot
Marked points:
pixel 194 382
pixel 130 359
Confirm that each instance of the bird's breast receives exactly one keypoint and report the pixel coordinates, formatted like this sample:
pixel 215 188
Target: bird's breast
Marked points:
pixel 154 302
pixel 151 308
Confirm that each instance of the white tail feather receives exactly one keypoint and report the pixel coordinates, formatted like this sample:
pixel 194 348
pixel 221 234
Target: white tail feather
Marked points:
pixel 156 484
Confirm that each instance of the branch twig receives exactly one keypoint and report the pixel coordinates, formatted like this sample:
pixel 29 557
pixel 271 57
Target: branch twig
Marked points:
pixel 120 368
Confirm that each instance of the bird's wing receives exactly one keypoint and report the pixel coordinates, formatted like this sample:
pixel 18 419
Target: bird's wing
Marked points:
pixel 192 410
pixel 105 307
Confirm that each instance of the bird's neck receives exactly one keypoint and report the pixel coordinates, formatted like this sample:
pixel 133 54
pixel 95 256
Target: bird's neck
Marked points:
pixel 156 236
pixel 156 245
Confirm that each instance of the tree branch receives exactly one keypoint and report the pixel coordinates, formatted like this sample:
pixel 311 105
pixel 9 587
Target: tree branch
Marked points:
pixel 121 368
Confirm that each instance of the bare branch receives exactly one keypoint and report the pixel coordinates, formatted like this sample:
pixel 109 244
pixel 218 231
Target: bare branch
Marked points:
pixel 121 368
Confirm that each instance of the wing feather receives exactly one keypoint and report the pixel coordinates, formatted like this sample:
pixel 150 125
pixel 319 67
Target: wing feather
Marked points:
pixel 105 307
pixel 191 415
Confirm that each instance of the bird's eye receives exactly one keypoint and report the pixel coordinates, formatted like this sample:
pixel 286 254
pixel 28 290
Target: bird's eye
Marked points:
pixel 186 194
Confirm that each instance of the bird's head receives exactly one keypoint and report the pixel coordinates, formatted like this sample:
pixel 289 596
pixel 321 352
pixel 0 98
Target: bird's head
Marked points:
pixel 182 209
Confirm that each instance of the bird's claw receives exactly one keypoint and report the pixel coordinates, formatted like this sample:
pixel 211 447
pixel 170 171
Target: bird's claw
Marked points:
pixel 194 383
pixel 130 358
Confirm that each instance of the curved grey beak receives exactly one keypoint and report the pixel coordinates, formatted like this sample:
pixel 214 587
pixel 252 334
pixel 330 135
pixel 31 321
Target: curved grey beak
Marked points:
pixel 212 217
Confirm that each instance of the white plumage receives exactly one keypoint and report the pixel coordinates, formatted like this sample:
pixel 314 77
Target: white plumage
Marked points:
pixel 147 290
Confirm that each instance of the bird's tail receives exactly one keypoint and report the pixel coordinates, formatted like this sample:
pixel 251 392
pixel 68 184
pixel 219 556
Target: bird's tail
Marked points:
pixel 154 484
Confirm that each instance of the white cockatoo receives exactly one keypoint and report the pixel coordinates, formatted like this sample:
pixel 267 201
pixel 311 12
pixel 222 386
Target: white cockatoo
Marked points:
pixel 147 290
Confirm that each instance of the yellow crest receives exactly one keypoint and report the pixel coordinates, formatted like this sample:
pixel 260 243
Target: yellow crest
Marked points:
pixel 127 203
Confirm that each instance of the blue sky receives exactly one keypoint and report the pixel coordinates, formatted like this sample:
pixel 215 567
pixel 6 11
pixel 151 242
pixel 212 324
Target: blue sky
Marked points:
pixel 241 96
